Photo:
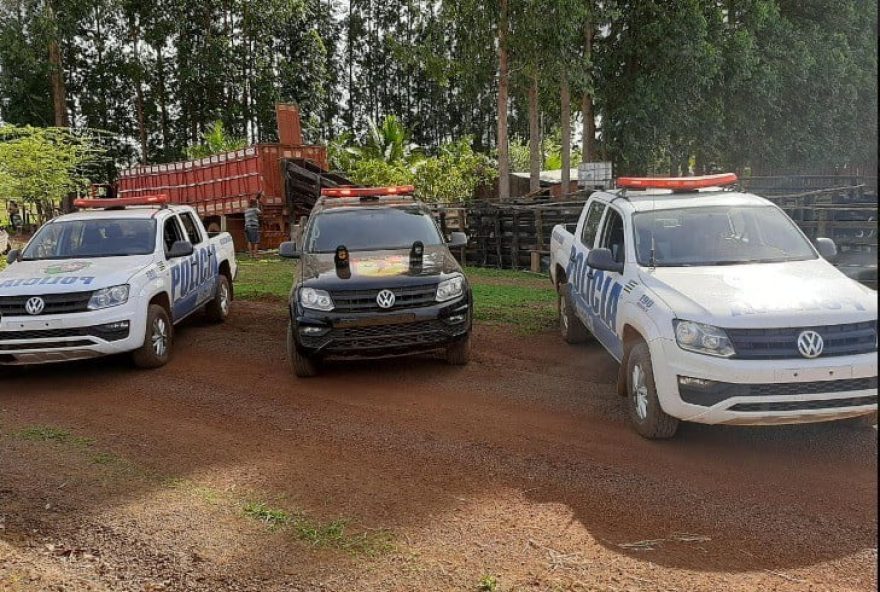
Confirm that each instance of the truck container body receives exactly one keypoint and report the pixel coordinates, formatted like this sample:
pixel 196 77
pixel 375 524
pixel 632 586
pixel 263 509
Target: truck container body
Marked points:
pixel 219 187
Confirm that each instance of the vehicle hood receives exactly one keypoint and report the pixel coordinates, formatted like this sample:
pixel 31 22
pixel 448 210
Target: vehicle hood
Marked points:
pixel 69 275
pixel 801 293
pixel 366 269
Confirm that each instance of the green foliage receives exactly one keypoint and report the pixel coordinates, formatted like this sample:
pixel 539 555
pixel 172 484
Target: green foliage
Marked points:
pixel 551 153
pixel 333 534
pixel 693 84
pixel 388 142
pixel 454 174
pixel 42 165
pixel 378 172
pixel 488 583
pixel 215 140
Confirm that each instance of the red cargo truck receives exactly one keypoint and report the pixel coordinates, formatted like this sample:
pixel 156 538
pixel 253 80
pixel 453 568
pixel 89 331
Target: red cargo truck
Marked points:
pixel 220 187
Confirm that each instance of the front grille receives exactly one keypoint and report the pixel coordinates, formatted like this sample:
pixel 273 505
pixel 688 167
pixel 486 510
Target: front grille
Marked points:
pixel 806 405
pixel 44 345
pixel 352 340
pixel 780 344
pixel 721 391
pixel 99 332
pixel 72 302
pixel 365 300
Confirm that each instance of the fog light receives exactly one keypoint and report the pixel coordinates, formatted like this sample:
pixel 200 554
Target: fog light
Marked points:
pixel 456 319
pixel 694 382
pixel 312 331
pixel 113 327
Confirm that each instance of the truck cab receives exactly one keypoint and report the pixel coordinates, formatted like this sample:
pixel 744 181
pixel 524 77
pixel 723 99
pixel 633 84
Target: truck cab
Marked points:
pixel 717 307
pixel 114 277
pixel 375 278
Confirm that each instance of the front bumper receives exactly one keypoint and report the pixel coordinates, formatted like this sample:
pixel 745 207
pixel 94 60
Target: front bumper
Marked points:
pixel 65 337
pixel 382 334
pixel 756 392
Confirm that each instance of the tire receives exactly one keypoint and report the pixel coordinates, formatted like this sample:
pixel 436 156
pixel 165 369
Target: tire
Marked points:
pixel 459 353
pixel 158 339
pixel 303 366
pixel 217 309
pixel 570 326
pixel 645 413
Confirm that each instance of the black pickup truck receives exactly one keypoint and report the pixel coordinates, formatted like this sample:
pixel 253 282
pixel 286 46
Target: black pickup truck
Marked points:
pixel 375 279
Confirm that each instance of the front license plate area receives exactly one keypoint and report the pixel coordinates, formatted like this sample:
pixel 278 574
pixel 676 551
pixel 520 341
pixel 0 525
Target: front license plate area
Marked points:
pixel 813 374
pixel 395 319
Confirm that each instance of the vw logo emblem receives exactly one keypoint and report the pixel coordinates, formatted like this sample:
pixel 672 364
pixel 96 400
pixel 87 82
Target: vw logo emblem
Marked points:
pixel 35 305
pixel 810 344
pixel 385 299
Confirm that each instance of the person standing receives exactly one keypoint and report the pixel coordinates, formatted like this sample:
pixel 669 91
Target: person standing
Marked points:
pixel 252 219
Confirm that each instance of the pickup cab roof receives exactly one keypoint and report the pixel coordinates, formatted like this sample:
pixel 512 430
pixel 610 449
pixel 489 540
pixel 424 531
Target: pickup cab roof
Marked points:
pixel 132 212
pixel 658 199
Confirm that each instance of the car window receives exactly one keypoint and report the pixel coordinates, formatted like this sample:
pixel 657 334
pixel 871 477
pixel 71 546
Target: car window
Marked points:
pixel 613 236
pixel 366 229
pixel 718 235
pixel 591 224
pixel 92 238
pixel 192 229
pixel 172 233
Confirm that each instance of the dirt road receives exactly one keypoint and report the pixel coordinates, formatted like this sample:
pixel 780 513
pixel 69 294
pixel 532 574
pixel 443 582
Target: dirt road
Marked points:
pixel 223 472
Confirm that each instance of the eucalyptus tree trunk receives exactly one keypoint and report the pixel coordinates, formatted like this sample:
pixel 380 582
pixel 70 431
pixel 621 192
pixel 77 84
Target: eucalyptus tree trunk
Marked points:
pixel 503 83
pixel 588 152
pixel 534 137
pixel 56 74
pixel 566 135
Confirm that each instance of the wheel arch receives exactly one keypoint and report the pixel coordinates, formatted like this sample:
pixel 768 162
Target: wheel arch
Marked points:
pixel 631 336
pixel 559 276
pixel 225 269
pixel 163 300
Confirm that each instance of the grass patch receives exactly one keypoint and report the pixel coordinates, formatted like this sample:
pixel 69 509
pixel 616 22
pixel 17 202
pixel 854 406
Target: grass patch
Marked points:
pixel 530 310
pixel 488 583
pixel 264 279
pixel 525 300
pixel 330 535
pixel 52 434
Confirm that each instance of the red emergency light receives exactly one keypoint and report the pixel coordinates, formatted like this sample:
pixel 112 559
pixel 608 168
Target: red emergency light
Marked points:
pixel 121 202
pixel 677 183
pixel 367 191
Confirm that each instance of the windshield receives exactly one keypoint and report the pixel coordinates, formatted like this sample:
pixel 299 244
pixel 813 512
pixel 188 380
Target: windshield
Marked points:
pixel 718 235
pixel 371 229
pixel 92 238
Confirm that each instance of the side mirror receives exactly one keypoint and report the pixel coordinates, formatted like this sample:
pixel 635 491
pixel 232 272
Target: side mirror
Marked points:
pixel 826 248
pixel 13 256
pixel 603 260
pixel 458 239
pixel 180 249
pixel 288 250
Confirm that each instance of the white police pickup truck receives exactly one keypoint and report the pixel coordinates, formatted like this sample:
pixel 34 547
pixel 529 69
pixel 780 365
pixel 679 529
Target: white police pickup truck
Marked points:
pixel 112 278
pixel 717 306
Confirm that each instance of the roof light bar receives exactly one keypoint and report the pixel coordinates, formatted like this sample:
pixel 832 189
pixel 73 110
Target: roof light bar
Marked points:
pixel 121 202
pixel 677 183
pixel 367 191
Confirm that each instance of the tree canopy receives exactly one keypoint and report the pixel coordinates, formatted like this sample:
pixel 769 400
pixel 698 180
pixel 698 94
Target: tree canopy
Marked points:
pixel 683 86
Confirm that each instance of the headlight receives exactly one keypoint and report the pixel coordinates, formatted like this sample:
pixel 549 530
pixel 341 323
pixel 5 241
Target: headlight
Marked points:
pixel 704 339
pixel 109 297
pixel 315 299
pixel 449 289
